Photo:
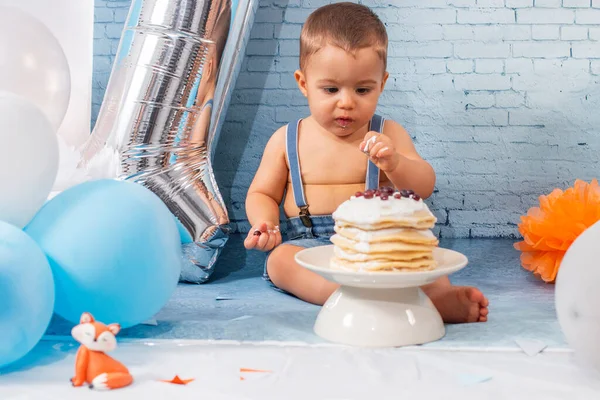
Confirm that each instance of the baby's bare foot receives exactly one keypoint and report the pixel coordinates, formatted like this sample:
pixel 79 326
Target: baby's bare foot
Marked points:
pixel 459 304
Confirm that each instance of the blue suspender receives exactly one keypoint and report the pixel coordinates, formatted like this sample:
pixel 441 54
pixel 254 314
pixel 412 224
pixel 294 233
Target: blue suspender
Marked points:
pixel 209 103
pixel 372 181
pixel 291 144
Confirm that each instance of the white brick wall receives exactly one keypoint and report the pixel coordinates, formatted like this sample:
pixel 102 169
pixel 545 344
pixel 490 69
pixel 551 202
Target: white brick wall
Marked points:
pixel 518 3
pixel 574 33
pixel 576 3
pixel 501 96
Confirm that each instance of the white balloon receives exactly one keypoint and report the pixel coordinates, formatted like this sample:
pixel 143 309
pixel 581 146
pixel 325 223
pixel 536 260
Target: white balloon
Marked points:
pixel 28 159
pixel 68 172
pixel 577 296
pixel 33 64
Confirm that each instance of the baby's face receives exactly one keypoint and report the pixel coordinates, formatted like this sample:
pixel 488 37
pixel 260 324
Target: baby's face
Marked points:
pixel 343 88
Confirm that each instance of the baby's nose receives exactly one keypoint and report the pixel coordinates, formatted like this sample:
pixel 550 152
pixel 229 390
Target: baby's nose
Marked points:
pixel 346 101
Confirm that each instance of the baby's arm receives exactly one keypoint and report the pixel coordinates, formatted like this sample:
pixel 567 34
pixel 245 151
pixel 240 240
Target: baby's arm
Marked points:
pixel 265 195
pixel 395 154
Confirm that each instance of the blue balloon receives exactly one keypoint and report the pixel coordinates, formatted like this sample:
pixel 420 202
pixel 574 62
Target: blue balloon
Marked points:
pixel 26 294
pixel 114 249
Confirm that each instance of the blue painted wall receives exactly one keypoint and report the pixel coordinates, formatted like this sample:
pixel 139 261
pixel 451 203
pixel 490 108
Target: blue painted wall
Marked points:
pixel 501 96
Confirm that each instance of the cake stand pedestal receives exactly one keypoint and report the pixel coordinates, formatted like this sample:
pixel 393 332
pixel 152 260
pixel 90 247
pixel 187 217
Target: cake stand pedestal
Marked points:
pixel 379 309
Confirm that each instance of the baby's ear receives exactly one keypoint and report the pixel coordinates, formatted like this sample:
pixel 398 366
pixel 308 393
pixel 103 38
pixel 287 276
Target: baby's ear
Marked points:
pixel 386 75
pixel 86 318
pixel 301 81
pixel 114 328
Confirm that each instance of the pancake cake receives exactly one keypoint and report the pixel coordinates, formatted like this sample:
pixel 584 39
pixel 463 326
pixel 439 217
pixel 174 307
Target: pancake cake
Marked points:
pixel 383 230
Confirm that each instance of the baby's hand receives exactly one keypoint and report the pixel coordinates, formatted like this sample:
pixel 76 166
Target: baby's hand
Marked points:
pixel 380 150
pixel 264 236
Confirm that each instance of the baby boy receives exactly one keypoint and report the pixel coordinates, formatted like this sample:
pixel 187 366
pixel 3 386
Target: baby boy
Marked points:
pixel 314 164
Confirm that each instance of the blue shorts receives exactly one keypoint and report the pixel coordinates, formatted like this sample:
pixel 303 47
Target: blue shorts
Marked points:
pixel 299 235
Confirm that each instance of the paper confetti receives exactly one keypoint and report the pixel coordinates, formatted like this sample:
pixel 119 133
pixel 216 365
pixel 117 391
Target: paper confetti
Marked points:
pixel 152 322
pixel 251 370
pixel 473 379
pixel 243 317
pixel 531 347
pixel 178 381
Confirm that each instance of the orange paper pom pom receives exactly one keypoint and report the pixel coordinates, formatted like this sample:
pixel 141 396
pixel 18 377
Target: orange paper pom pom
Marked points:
pixel 549 230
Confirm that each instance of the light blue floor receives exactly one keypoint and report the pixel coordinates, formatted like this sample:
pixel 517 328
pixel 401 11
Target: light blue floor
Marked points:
pixel 521 307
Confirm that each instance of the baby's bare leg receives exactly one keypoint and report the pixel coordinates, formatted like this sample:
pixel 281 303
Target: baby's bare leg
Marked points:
pixel 288 275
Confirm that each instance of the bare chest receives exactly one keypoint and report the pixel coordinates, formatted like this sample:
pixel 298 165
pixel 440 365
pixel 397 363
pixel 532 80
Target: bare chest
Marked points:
pixel 331 163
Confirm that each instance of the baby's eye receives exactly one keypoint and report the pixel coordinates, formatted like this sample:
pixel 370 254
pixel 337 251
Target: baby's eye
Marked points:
pixel 330 90
pixel 363 90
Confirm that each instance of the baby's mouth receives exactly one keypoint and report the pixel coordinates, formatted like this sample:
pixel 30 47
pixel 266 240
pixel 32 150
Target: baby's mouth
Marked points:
pixel 343 122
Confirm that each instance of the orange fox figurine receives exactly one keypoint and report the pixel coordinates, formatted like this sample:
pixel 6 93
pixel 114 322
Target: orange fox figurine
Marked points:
pixel 92 365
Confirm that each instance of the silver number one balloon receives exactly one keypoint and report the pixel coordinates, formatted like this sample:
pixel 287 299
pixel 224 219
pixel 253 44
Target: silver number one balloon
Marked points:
pixel 164 105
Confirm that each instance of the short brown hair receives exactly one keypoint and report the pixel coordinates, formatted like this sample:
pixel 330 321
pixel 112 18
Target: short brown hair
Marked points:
pixel 346 25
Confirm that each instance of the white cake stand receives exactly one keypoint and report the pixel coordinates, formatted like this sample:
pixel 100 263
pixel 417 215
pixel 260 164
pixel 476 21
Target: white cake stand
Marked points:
pixel 379 309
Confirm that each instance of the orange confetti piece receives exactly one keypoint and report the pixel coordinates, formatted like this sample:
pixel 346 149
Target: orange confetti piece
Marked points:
pixel 178 381
pixel 253 370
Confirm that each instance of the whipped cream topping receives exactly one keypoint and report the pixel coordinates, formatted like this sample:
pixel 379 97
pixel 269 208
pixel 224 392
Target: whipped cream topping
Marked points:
pixel 369 266
pixel 360 210
pixel 356 257
pixel 339 252
pixel 372 236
